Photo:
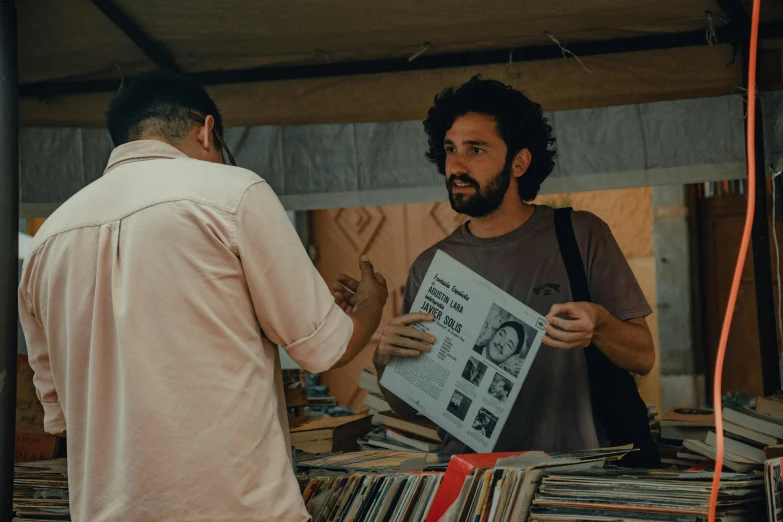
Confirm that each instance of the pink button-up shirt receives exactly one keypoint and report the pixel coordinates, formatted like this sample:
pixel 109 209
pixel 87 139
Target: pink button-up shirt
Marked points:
pixel 152 302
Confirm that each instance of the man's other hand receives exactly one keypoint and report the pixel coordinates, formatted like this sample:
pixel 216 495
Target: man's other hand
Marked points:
pixel 398 338
pixel 575 332
pixel 370 292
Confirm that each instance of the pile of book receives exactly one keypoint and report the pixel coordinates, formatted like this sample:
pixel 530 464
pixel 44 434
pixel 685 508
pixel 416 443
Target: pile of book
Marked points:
pixel 394 432
pixel 320 401
pixel 772 406
pixel 397 433
pixel 374 400
pixel 612 494
pixel 369 497
pixel 678 425
pixel 684 423
pixel 295 402
pixel 751 436
pixel 41 491
pixel 306 398
pixel 330 434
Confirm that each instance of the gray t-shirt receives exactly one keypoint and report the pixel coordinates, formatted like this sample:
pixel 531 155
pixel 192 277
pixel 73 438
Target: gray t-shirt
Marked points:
pixel 552 412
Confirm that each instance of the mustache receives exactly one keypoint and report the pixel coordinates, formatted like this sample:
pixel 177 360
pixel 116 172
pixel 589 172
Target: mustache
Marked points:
pixel 463 178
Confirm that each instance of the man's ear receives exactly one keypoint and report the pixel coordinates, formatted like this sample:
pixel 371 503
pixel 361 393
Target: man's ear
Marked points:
pixel 205 136
pixel 521 163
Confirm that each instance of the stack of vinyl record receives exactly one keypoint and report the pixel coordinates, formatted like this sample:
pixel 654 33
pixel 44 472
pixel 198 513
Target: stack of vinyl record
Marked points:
pixel 497 487
pixel 611 494
pixel 379 461
pixel 370 497
pixel 41 491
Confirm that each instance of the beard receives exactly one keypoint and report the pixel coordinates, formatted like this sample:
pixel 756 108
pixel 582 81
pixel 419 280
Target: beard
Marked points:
pixel 482 202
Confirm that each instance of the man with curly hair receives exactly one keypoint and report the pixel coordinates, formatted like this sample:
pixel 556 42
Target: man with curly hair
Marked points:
pixel 495 148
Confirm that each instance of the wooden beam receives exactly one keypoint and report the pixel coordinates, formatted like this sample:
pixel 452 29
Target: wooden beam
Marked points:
pixel 426 62
pixel 154 51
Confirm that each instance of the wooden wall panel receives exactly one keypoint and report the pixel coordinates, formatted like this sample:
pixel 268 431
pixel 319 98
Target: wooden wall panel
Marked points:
pixel 721 221
pixel 340 237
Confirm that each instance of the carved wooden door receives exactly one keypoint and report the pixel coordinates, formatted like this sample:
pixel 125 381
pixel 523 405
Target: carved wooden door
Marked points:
pixel 392 237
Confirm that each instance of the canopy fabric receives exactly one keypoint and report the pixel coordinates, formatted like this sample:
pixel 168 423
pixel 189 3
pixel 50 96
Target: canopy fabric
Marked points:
pixel 557 85
pixel 70 41
pixel 356 164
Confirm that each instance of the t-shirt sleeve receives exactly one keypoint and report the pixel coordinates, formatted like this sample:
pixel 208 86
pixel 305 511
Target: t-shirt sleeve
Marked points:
pixel 612 283
pixel 415 276
pixel 409 294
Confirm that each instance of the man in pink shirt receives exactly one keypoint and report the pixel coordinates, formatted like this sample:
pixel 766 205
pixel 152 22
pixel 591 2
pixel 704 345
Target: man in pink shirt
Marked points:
pixel 153 302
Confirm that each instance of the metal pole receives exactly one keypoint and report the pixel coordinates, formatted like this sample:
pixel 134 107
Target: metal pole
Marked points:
pixel 739 23
pixel 762 270
pixel 762 266
pixel 9 244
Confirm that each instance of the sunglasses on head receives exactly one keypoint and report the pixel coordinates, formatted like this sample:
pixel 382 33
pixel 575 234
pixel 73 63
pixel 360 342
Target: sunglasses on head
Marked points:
pixel 200 119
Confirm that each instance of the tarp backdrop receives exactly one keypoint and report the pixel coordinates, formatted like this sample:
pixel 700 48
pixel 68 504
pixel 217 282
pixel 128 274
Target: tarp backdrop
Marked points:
pixel 356 164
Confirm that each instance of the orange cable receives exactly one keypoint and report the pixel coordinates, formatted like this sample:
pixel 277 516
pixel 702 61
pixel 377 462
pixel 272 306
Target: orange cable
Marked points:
pixel 724 336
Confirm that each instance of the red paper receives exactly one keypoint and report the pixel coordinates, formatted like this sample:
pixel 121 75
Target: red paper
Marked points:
pixel 460 466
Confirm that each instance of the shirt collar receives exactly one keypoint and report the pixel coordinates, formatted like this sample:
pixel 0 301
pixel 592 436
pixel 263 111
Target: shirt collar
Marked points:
pixel 142 150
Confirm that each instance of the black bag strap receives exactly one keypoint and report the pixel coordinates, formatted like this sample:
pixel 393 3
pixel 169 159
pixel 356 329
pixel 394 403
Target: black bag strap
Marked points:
pixel 572 258
pixel 617 405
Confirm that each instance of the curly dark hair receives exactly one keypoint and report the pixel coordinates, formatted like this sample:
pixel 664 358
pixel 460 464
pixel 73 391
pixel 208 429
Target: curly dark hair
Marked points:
pixel 521 124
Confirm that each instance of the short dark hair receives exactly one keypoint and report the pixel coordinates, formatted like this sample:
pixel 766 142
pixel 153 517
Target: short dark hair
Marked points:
pixel 160 102
pixel 521 124
pixel 521 333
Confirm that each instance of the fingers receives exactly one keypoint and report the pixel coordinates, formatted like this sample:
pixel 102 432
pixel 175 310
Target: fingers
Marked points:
pixel 379 359
pixel 339 287
pixel 567 336
pixel 404 341
pixel 368 271
pixel 344 294
pixel 412 318
pixel 569 325
pixel 401 352
pixel 381 280
pixel 348 282
pixel 339 300
pixel 397 341
pixel 407 331
pixel 349 298
pixel 345 304
pixel 395 345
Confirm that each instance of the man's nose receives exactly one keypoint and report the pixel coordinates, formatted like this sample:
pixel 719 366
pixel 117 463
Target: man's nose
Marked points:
pixel 456 166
